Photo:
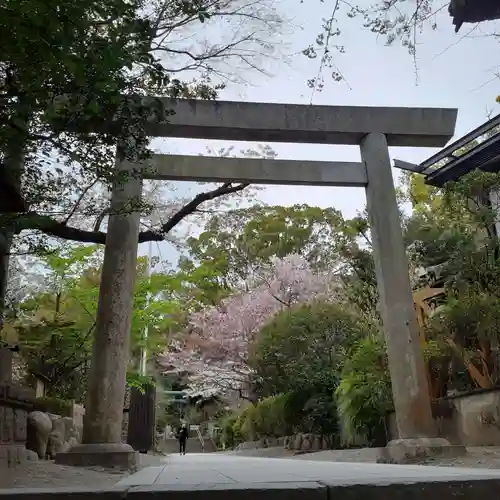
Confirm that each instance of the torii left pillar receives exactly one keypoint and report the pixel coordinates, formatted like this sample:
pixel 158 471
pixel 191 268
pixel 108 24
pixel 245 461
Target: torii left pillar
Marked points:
pixel 102 428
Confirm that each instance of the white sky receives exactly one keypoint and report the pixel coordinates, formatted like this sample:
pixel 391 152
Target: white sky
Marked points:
pixel 454 70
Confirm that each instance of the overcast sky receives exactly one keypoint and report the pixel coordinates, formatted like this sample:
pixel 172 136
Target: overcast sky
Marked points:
pixel 454 70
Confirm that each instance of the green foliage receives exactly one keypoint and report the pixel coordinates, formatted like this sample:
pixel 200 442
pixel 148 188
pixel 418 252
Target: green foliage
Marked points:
pixel 139 382
pixel 65 68
pixel 245 239
pixel 453 228
pixel 303 346
pixel 451 235
pixel 203 284
pixel 360 282
pixel 270 417
pixel 313 408
pixel 299 355
pixel 267 418
pixel 166 415
pixel 468 318
pixel 53 405
pixel 55 327
pixel 282 415
pixel 364 393
pixel 467 329
pixel 230 435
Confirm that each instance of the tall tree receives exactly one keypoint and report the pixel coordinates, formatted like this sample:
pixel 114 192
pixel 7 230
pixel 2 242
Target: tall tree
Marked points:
pixel 66 67
pixel 54 326
pixel 89 55
pixel 215 348
pixel 247 239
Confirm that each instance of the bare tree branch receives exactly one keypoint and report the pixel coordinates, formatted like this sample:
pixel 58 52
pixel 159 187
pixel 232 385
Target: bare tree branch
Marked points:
pixel 52 227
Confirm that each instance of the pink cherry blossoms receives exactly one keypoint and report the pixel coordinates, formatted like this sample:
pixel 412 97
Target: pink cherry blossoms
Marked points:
pixel 215 350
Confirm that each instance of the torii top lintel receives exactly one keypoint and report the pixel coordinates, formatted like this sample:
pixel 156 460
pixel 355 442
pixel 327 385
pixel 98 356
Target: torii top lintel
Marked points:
pixel 297 123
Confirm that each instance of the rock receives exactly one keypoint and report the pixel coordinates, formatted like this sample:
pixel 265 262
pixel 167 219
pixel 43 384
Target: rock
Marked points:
pixel 76 433
pixel 326 443
pixel 248 445
pixel 272 442
pixel 54 445
pixel 56 437
pixel 64 448
pixel 39 428
pixel 307 444
pixel 403 451
pixel 59 427
pixel 73 442
pixel 31 456
pixel 287 442
pixel 316 444
pixel 69 427
pixel 297 442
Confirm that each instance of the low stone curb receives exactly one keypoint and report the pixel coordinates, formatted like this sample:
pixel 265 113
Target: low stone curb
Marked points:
pixel 313 490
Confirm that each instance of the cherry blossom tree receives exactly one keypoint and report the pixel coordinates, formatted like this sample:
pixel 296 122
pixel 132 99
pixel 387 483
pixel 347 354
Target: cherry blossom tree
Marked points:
pixel 214 349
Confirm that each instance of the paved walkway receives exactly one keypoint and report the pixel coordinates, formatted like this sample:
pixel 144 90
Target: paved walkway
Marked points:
pixel 45 474
pixel 229 470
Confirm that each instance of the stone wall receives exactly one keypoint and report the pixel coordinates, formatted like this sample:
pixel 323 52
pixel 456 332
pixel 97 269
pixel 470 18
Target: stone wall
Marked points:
pixel 298 443
pixel 471 419
pixel 15 402
pixel 77 414
pixel 304 442
pixel 49 434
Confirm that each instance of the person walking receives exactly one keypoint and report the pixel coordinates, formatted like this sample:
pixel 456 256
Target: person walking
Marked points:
pixel 183 436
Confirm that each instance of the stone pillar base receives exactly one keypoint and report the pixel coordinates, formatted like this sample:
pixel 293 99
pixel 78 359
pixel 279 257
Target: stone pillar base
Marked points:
pixel 12 455
pixel 107 455
pixel 405 451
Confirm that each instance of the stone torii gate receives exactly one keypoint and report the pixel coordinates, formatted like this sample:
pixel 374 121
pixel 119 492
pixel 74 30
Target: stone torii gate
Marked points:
pixel 373 129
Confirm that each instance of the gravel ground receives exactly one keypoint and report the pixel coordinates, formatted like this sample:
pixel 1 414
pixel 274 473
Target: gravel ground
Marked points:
pixel 477 458
pixel 46 474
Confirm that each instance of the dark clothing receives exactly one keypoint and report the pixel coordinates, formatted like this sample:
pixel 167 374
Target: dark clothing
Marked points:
pixel 182 446
pixel 182 437
pixel 183 434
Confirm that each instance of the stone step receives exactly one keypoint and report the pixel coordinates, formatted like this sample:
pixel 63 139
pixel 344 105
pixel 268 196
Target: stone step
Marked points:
pixel 313 490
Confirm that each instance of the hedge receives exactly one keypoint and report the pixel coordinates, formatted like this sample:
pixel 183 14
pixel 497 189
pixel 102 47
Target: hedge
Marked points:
pixel 53 405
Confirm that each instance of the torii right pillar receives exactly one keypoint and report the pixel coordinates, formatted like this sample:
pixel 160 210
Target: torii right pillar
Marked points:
pixel 416 426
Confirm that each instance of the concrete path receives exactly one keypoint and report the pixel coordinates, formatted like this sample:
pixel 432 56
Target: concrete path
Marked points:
pixel 232 477
pixel 196 470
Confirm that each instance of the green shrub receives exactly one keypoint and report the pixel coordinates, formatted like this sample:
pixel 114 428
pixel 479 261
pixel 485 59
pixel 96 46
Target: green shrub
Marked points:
pixel 364 394
pixel 303 346
pixel 270 418
pixel 283 415
pixel 54 405
pixel 245 425
pixel 267 418
pixel 229 433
